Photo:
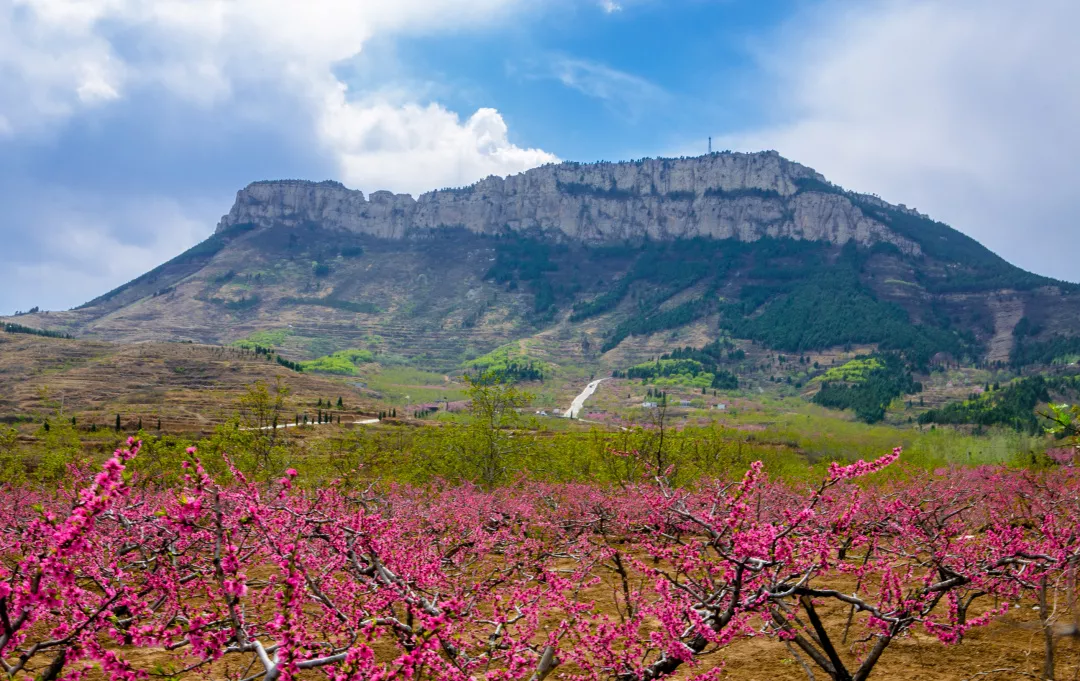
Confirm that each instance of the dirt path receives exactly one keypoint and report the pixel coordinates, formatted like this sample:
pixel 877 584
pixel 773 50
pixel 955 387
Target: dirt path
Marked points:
pixel 363 422
pixel 579 401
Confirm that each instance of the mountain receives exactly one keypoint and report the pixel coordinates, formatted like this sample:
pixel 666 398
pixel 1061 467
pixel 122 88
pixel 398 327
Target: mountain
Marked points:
pixel 600 264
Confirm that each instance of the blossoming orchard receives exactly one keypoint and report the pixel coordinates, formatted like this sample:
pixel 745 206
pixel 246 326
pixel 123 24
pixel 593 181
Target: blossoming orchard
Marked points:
pixel 234 579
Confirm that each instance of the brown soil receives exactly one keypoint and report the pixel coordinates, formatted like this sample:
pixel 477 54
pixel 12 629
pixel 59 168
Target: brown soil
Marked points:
pixel 188 387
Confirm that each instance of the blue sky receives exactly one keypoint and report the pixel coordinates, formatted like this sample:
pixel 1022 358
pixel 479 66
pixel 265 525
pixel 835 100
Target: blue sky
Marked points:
pixel 126 126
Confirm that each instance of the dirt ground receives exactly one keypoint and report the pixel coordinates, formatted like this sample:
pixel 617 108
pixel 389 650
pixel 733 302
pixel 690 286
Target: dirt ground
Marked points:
pixel 188 387
pixel 1007 649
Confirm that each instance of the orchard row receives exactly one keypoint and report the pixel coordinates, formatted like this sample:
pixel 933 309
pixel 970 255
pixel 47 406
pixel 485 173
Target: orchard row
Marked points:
pixel 247 580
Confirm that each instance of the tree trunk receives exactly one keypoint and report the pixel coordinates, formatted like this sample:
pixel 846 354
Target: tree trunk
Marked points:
pixel 1048 633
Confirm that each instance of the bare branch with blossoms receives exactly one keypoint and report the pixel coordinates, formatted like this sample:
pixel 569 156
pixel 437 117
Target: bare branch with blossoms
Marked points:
pixel 242 580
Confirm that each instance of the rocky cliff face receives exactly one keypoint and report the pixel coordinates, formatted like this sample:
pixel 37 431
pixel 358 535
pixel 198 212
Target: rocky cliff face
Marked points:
pixel 729 195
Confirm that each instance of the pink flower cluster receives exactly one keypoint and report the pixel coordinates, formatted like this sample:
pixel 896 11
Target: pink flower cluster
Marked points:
pixel 457 583
pixel 861 468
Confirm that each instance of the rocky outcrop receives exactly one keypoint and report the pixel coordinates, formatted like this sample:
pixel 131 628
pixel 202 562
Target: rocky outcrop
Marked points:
pixel 729 195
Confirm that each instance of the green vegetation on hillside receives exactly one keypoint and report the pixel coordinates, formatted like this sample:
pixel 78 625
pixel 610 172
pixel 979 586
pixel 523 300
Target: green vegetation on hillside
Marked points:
pixel 343 362
pixel 526 259
pixel 981 269
pixel 1012 406
pixel 792 295
pixel 868 386
pixel 270 338
pixel 602 303
pixel 686 372
pixel 827 306
pixel 509 364
pixel 697 367
pixel 857 370
pixel 753 192
pixel 241 304
pixel 581 189
pixel 659 320
pixel 1057 350
pixel 289 364
pixel 346 305
pixel 9 327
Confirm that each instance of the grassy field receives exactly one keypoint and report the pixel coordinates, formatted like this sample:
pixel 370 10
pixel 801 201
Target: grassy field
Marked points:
pixel 403 385
pixel 191 390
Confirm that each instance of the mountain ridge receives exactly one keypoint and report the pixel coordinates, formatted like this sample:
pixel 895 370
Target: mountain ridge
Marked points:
pixel 599 263
pixel 721 195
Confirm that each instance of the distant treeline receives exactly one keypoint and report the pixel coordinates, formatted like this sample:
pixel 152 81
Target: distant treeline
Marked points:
pixel 510 372
pixel 289 364
pixel 19 328
pixel 1060 349
pixel 271 354
pixel 1012 406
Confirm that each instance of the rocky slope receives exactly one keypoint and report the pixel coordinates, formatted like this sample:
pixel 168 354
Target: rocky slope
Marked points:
pixel 723 196
pixel 597 264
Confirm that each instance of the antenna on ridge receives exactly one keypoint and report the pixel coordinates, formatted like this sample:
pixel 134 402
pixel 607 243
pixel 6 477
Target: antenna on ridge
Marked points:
pixel 710 145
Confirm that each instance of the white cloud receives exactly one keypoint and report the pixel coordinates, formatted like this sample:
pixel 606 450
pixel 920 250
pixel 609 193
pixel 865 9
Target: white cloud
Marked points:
pixel 624 93
pixel 261 71
pixel 965 109
pixel 63 56
pixel 413 148
pixel 610 6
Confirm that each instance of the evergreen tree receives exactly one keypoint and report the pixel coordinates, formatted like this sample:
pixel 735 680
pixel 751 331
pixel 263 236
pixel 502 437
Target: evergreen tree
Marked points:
pixel 340 405
pixel 118 423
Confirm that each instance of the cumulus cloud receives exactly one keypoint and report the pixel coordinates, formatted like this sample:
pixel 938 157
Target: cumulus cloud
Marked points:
pixel 414 148
pixel 63 55
pixel 965 109
pixel 263 65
